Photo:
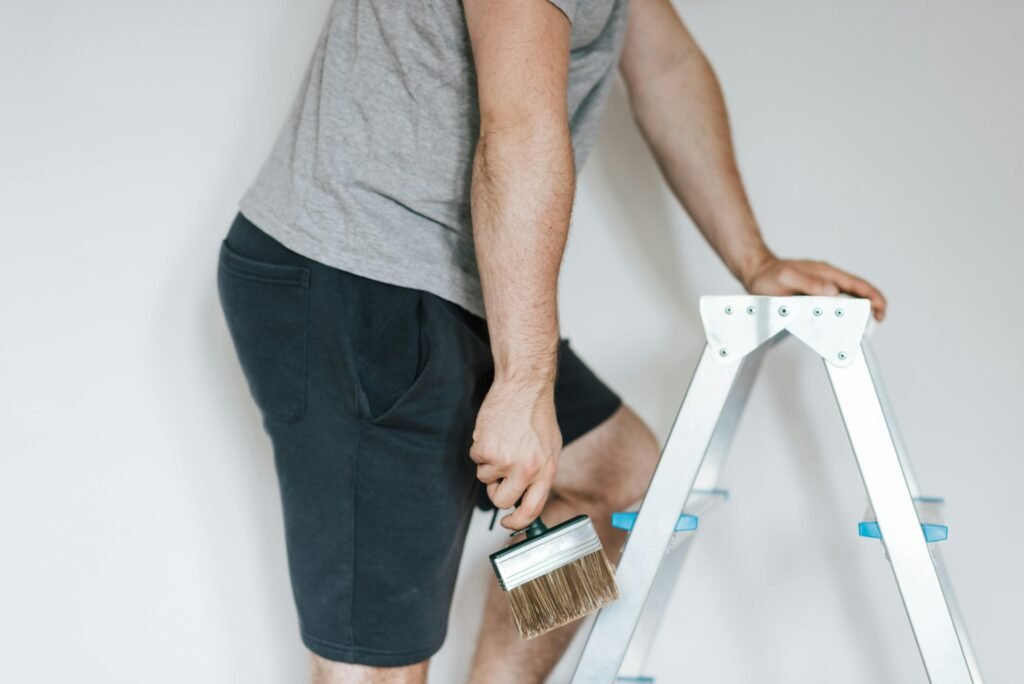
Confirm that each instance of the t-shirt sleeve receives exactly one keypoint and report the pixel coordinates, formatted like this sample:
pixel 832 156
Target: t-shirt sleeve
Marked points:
pixel 568 8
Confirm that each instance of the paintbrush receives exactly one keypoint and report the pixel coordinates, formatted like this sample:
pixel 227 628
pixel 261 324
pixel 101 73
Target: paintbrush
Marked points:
pixel 554 576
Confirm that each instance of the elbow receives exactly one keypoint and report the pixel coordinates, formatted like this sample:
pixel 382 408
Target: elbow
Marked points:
pixel 525 141
pixel 528 127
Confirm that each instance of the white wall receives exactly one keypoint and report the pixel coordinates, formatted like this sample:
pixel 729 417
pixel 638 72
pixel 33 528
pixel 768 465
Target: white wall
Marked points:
pixel 140 533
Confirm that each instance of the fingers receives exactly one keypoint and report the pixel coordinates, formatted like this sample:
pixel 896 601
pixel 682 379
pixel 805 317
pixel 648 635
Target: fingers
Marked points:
pixel 488 473
pixel 801 281
pixel 821 279
pixel 529 500
pixel 530 508
pixel 477 454
pixel 859 287
pixel 505 492
pixel 516 443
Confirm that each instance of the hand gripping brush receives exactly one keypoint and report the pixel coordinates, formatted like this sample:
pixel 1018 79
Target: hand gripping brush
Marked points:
pixel 555 575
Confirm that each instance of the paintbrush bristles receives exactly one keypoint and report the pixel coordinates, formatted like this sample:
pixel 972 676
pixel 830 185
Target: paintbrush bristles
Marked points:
pixel 563 595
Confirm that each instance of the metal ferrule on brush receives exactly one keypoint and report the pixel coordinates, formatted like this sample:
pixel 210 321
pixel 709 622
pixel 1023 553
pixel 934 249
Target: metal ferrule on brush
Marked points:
pixel 533 558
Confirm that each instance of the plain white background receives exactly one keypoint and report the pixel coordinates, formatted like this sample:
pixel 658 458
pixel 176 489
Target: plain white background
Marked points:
pixel 140 532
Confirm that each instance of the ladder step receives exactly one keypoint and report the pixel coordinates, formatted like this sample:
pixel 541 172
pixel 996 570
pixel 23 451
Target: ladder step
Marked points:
pixel 932 533
pixel 928 508
pixel 624 520
pixel 701 501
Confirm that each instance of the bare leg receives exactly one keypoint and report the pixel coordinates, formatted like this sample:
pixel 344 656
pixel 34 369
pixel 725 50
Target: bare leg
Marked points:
pixel 330 672
pixel 604 471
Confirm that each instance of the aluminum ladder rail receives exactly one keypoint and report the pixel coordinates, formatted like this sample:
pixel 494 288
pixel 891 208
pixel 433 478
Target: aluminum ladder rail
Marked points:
pixel 739 330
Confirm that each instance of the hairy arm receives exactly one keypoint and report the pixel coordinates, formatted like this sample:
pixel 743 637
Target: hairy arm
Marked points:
pixel 679 108
pixel 522 194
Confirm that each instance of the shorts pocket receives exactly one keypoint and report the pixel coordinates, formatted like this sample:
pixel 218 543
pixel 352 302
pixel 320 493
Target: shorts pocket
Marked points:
pixel 267 309
pixel 392 349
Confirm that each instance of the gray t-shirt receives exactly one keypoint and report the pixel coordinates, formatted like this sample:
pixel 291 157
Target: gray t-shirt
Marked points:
pixel 371 171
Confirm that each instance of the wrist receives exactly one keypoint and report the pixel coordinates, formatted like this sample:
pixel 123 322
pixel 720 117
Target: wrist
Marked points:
pixel 754 262
pixel 538 376
pixel 526 358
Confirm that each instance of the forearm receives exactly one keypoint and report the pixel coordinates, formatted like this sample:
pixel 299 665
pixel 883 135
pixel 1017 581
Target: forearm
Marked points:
pixel 681 113
pixel 679 108
pixel 522 193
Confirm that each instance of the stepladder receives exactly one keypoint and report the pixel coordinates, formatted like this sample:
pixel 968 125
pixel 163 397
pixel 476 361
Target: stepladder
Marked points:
pixel 686 485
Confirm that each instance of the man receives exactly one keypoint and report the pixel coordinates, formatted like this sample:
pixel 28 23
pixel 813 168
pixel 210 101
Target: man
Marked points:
pixel 391 289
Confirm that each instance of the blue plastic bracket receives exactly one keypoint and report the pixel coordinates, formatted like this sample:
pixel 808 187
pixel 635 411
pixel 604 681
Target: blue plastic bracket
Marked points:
pixel 932 533
pixel 624 520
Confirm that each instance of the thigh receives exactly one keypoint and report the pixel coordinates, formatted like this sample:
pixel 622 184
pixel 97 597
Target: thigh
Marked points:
pixel 609 466
pixel 368 392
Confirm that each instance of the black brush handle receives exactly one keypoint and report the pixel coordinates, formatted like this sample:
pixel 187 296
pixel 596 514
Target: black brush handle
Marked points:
pixel 536 528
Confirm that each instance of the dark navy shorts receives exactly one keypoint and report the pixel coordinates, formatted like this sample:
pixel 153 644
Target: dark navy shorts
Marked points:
pixel 369 392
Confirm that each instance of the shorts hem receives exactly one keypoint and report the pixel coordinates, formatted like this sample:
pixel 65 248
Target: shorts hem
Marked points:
pixel 599 416
pixel 344 653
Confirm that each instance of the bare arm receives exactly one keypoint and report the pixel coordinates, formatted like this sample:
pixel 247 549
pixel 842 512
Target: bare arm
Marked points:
pixel 522 193
pixel 679 108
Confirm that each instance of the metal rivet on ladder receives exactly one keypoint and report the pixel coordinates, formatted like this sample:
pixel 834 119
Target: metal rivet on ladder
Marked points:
pixel 723 352
pixel 841 356
pixel 839 313
pixel 817 311
pixel 728 311
pixel 751 310
pixel 783 311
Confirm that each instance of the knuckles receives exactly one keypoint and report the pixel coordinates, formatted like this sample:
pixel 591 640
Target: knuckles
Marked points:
pixel 530 466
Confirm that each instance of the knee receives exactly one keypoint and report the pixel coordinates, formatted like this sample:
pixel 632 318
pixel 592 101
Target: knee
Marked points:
pixel 325 671
pixel 638 452
pixel 622 455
